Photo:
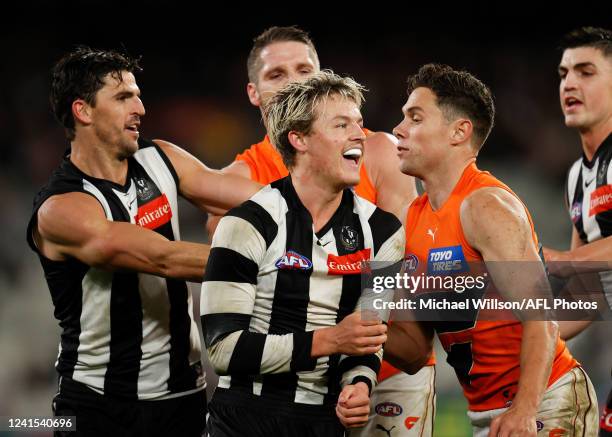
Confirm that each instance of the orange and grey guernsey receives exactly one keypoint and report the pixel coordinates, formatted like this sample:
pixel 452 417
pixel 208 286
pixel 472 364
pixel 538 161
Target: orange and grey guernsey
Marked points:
pixel 266 166
pixel 484 354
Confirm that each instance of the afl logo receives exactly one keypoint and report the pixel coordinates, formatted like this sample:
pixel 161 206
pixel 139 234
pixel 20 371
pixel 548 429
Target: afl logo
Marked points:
pixel 411 262
pixel 293 261
pixel 576 212
pixel 350 238
pixel 388 409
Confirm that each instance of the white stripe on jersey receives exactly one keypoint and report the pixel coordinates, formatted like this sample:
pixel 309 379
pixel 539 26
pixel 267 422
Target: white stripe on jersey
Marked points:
pixel 365 209
pixel 589 223
pixel 572 180
pixel 159 173
pixel 94 348
pixel 88 186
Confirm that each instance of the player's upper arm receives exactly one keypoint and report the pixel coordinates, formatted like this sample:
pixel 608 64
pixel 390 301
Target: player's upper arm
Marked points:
pixel 210 190
pixel 496 224
pixel 61 233
pixel 394 189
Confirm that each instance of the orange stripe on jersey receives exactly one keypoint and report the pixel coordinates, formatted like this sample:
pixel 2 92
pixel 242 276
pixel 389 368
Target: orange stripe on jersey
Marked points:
pixel 486 356
pixel 267 166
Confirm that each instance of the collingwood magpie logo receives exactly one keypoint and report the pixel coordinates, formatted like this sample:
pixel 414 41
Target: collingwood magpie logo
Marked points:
pixel 142 187
pixel 349 237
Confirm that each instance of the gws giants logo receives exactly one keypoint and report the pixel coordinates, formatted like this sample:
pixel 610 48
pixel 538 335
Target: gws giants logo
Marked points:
pixel 293 261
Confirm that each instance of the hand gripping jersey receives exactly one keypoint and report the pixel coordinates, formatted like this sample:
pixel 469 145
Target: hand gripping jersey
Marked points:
pixel 484 354
pixel 124 334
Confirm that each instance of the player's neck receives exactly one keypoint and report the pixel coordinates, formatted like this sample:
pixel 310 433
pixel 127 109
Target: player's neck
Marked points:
pixel 98 160
pixel 439 184
pixel 320 199
pixel 593 137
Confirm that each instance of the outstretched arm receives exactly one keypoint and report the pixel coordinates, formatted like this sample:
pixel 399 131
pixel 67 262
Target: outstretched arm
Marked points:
pixel 98 242
pixel 210 190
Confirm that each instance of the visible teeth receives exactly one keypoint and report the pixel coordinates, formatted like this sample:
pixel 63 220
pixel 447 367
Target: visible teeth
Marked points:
pixel 353 153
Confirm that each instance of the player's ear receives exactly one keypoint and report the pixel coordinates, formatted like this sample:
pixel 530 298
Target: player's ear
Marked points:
pixel 461 131
pixel 253 94
pixel 297 140
pixel 81 111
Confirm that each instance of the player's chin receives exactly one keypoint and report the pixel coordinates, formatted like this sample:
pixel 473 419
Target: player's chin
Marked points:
pixel 406 168
pixel 574 121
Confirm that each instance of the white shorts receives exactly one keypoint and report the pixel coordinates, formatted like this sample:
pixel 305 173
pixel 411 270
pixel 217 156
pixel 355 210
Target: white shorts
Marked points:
pixel 568 409
pixel 402 405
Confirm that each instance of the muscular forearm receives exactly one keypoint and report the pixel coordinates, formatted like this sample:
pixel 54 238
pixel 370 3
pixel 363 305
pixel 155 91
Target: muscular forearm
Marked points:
pixel 537 352
pixel 129 247
pixel 598 254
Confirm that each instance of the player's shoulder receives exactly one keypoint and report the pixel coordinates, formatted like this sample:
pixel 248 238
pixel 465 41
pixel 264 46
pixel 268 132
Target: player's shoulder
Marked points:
pixel 377 218
pixel 381 141
pixel 262 213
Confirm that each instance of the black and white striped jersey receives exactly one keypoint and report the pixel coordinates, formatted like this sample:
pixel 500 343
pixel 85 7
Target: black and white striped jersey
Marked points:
pixel 589 200
pixel 124 334
pixel 271 281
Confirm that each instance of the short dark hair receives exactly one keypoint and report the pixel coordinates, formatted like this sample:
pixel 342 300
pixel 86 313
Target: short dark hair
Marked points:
pixel 588 36
pixel 458 93
pixel 270 36
pixel 80 75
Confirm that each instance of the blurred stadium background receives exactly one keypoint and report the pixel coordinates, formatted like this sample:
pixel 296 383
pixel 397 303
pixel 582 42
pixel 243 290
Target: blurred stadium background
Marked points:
pixel 193 88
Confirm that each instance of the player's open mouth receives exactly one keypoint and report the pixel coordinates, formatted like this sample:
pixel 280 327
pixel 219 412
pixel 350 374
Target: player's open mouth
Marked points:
pixel 571 102
pixel 353 154
pixel 133 127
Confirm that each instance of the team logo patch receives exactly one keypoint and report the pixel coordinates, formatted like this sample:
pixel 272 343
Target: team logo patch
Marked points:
pixel 154 214
pixel 410 421
pixel 293 261
pixel 349 238
pixel 411 262
pixel 601 200
pixel 576 212
pixel 350 264
pixel 446 260
pixel 143 189
pixel 388 409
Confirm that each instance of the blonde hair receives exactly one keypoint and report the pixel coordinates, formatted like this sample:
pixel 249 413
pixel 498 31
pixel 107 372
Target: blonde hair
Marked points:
pixel 293 108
